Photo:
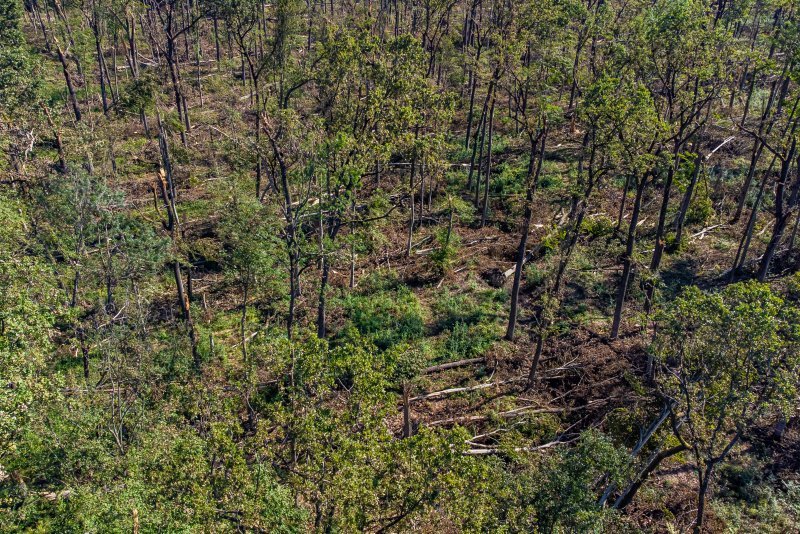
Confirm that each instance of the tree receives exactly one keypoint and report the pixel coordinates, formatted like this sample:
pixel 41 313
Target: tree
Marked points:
pixel 533 71
pixel 680 63
pixel 638 129
pixel 727 360
pixel 557 494
pixel 249 234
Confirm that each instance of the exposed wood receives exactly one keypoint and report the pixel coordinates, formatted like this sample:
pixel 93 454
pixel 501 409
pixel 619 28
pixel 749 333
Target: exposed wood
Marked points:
pixel 452 365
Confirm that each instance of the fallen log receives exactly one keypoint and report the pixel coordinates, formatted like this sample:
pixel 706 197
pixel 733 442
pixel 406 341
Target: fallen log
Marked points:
pixel 445 392
pixel 516 412
pixel 488 451
pixel 452 365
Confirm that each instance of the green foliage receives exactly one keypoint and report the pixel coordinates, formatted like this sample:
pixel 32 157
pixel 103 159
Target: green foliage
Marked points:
pixel 107 420
pixel 27 322
pixel 598 227
pixel 249 238
pixel 553 493
pixel 729 359
pixel 756 505
pixel 552 241
pixel 447 250
pixel 469 308
pixel 17 81
pixel 386 316
pixel 466 341
pixel 701 208
pixel 535 275
pixel 138 95
pixel 171 479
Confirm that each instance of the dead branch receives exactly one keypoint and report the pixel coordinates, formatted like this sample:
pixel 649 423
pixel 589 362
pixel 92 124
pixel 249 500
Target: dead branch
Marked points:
pixel 445 392
pixel 516 412
pixel 488 451
pixel 452 365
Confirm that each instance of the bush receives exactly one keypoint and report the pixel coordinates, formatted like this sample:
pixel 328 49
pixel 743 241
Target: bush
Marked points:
pixel 446 252
pixel 386 317
pixel 552 240
pixel 596 227
pixel 469 309
pixel 535 276
pixel 467 341
pixel 700 210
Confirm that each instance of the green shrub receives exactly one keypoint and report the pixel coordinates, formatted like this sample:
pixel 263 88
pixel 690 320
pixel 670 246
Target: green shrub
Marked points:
pixel 596 227
pixel 451 309
pixel 446 252
pixel 700 210
pixel 552 240
pixel 386 317
pixel 535 276
pixel 465 341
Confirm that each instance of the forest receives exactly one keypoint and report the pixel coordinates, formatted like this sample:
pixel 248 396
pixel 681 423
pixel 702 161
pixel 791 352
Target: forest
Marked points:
pixel 433 266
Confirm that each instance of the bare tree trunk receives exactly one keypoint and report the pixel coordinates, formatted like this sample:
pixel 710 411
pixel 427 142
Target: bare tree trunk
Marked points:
pixel 758 147
pixel 68 79
pixel 95 25
pixel 659 245
pixel 474 152
pixel 687 200
pixel 488 177
pixel 627 496
pixel 744 243
pixel 411 185
pixel 183 301
pixel 704 479
pixel 243 318
pixel 533 178
pixel 628 259
pixel 406 411
pixel 323 285
pixel 290 238
pixel 479 162
pixel 621 213
pixel 473 87
pixel 782 212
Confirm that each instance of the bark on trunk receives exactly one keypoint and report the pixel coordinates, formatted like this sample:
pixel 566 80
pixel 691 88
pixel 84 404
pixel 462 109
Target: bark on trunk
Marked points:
pixel 533 174
pixel 628 260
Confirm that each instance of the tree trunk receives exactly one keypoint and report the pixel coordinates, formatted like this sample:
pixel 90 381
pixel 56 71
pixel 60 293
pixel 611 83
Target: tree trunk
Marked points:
pixel 323 286
pixel 180 101
pixel 658 249
pixel 411 185
pixel 687 200
pixel 533 177
pixel 99 50
pixel 782 213
pixel 473 87
pixel 704 478
pixel 406 411
pixel 627 496
pixel 758 147
pixel 474 152
pixel 479 162
pixel 183 301
pixel 243 318
pixel 73 99
pixel 628 260
pixel 488 178
pixel 744 243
